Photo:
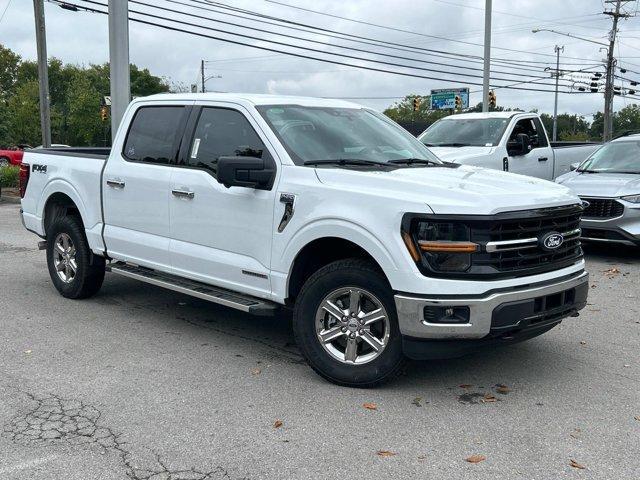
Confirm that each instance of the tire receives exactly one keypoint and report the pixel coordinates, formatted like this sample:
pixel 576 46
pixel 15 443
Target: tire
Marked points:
pixel 4 162
pixel 86 278
pixel 339 280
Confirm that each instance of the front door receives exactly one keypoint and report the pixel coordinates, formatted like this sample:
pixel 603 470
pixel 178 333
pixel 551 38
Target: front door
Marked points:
pixel 220 235
pixel 538 161
pixel 136 187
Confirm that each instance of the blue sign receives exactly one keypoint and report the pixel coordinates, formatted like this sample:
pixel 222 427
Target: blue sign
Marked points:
pixel 445 99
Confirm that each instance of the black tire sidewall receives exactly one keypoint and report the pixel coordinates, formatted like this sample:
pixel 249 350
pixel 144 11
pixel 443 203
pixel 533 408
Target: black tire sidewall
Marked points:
pixel 72 226
pixel 348 273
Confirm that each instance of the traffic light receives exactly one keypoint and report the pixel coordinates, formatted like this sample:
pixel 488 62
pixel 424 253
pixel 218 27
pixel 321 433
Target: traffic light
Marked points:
pixel 416 103
pixel 104 113
pixel 458 102
pixel 493 101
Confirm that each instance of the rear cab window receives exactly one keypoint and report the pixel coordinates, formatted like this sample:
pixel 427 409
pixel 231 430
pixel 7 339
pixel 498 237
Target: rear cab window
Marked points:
pixel 155 133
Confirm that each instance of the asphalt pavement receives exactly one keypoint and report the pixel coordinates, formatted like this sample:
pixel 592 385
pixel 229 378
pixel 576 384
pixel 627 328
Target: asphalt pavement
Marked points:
pixel 143 383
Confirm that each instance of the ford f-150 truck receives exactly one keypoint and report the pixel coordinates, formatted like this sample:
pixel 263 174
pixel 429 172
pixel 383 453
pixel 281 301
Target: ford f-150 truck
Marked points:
pixel 324 207
pixel 511 141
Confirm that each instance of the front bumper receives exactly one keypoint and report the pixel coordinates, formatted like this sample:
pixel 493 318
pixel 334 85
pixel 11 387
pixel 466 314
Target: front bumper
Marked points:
pixel 498 313
pixel 624 229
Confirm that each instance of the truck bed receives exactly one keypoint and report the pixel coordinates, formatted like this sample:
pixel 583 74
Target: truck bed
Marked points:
pixel 74 172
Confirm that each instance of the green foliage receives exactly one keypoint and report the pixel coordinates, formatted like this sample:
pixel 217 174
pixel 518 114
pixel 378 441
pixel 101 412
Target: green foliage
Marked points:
pixel 76 93
pixel 9 176
pixel 570 127
pixel 402 111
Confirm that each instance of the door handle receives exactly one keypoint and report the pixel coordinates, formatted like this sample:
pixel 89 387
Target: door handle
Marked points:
pixel 183 194
pixel 543 159
pixel 113 183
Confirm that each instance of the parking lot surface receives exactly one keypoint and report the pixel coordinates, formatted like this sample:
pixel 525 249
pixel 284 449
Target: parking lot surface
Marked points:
pixel 143 383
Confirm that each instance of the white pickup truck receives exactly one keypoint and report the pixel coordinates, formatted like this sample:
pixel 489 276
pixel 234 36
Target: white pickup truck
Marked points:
pixel 511 141
pixel 321 206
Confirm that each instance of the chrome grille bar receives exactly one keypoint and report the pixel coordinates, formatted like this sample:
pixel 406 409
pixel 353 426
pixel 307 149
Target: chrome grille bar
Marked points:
pixel 523 243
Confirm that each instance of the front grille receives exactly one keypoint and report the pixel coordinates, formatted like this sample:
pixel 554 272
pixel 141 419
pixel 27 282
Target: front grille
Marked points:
pixel 519 259
pixel 603 208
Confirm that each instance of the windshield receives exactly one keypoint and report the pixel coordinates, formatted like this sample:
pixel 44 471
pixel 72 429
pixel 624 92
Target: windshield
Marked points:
pixel 325 133
pixel 463 132
pixel 615 157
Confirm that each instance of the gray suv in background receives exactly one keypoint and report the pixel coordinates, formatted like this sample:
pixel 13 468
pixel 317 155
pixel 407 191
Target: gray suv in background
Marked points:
pixel 609 181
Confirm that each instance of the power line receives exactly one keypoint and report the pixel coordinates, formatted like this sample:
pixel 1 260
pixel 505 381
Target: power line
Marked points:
pixel 394 28
pixel 371 52
pixel 270 49
pixel 318 51
pixel 5 10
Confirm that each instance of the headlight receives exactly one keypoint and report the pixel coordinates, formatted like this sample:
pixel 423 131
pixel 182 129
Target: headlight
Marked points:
pixel 446 247
pixel 632 198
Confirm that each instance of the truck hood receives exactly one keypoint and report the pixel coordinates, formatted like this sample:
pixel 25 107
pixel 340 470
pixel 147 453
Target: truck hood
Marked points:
pixel 462 155
pixel 601 184
pixel 459 191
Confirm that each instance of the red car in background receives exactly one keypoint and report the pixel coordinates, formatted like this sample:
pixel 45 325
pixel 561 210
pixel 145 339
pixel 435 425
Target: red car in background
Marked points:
pixel 12 156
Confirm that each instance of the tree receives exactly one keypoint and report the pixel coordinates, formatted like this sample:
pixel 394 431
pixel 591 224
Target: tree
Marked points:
pixel 76 93
pixel 570 127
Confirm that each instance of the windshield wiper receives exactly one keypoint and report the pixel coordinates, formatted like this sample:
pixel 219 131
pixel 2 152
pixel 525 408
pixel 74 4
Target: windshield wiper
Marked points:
pixel 411 161
pixel 587 171
pixel 454 144
pixel 345 161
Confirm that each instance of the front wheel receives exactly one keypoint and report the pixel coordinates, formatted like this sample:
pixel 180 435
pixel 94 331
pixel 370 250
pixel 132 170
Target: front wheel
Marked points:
pixel 346 325
pixel 4 162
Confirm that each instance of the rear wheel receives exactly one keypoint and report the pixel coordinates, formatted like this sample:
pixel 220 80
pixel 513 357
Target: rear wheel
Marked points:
pixel 75 271
pixel 346 326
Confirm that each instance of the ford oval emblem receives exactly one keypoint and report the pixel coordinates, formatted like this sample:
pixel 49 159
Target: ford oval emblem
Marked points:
pixel 551 241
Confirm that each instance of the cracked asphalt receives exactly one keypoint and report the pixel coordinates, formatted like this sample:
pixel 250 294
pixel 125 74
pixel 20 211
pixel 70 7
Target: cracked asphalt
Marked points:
pixel 142 383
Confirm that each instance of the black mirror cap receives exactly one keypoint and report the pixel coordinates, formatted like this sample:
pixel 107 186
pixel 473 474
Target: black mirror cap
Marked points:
pixel 249 172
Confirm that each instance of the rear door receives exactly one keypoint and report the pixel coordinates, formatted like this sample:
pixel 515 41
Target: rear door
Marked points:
pixel 221 235
pixel 538 161
pixel 136 186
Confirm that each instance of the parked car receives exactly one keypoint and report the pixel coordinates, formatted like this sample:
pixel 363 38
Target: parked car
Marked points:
pixel 511 141
pixel 609 181
pixel 261 202
pixel 13 155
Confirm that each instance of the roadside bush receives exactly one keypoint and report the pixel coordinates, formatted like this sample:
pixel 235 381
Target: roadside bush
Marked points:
pixel 9 176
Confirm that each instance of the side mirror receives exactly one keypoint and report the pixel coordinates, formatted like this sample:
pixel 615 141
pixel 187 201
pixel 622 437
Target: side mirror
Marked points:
pixel 249 172
pixel 574 166
pixel 520 146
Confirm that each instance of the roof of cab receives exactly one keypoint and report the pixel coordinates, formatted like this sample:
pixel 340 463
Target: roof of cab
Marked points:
pixel 251 98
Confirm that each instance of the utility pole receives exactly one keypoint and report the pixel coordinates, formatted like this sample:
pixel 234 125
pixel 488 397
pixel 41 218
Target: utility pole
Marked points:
pixel 611 63
pixel 202 74
pixel 43 73
pixel 555 105
pixel 487 56
pixel 120 84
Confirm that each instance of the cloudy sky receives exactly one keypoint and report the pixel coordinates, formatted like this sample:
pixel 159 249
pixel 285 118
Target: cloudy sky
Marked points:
pixel 450 26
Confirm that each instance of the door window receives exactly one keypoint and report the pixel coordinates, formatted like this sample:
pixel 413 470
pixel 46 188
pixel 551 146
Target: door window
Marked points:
pixel 223 132
pixel 154 134
pixel 531 127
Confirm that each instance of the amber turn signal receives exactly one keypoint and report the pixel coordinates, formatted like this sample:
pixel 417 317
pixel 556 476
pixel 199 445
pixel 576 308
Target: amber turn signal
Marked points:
pixel 411 246
pixel 448 247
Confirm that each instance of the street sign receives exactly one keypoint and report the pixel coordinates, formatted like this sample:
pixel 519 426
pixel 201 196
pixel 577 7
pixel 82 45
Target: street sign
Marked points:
pixel 107 100
pixel 445 99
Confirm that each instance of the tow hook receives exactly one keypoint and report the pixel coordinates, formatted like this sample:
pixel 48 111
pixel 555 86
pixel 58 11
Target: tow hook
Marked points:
pixel 42 245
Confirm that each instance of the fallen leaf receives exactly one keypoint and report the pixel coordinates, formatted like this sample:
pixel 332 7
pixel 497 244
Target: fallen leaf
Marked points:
pixel 582 342
pixel 370 406
pixel 612 272
pixel 465 385
pixel 27 352
pixel 256 371
pixel 476 458
pixel 277 424
pixel 637 418
pixel 416 401
pixel 626 365
pixel 422 457
pixel 575 464
pixel 503 389
pixel 385 453
pixel 488 398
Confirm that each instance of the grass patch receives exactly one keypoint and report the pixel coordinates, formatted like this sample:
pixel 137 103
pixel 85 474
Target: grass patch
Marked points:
pixel 9 176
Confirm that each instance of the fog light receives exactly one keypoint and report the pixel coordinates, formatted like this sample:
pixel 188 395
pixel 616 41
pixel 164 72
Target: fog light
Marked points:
pixel 450 314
